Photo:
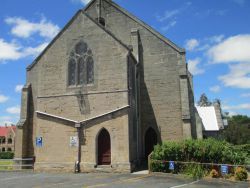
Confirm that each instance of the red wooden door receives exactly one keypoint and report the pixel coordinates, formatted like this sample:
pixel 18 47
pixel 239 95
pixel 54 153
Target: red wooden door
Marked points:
pixel 104 148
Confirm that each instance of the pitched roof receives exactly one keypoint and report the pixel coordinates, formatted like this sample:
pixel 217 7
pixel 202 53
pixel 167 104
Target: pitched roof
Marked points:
pixel 66 26
pixel 4 130
pixel 143 24
pixel 208 117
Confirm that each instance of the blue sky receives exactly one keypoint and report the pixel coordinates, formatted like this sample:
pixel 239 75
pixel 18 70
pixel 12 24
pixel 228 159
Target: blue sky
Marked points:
pixel 215 34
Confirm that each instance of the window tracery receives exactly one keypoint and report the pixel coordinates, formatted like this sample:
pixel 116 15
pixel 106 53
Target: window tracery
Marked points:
pixel 81 65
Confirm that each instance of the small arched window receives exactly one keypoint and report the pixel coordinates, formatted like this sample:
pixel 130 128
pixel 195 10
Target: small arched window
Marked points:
pixel 81 65
pixel 9 141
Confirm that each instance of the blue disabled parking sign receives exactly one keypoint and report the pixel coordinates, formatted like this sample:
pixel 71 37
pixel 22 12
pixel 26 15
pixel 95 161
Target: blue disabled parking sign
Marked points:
pixel 171 165
pixel 39 141
pixel 224 169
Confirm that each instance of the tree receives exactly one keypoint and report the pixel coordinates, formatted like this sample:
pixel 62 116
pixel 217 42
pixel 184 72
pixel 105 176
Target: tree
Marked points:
pixel 238 130
pixel 204 101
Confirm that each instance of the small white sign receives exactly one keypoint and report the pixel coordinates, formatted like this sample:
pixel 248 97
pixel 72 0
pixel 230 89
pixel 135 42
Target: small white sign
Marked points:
pixel 73 141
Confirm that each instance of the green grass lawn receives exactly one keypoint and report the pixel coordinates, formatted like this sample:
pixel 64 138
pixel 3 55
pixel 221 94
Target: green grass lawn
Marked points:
pixel 6 165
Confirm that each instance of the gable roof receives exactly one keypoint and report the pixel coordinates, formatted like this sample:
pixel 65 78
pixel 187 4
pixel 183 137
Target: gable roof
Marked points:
pixel 143 24
pixel 4 130
pixel 208 117
pixel 65 27
pixel 53 40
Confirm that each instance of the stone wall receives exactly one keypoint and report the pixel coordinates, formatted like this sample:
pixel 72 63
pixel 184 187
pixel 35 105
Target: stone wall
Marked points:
pixel 52 95
pixel 160 82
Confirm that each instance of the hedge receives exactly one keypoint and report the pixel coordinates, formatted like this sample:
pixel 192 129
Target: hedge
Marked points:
pixel 6 155
pixel 202 151
pixel 195 152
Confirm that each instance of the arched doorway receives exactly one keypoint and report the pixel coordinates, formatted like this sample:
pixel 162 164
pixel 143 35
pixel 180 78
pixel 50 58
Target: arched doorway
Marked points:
pixel 150 141
pixel 104 148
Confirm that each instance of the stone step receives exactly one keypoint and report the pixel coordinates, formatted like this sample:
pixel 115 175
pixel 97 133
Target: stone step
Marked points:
pixel 104 168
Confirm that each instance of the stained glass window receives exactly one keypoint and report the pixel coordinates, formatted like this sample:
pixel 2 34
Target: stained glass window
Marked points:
pixel 72 72
pixel 81 65
pixel 81 48
pixel 81 71
pixel 90 70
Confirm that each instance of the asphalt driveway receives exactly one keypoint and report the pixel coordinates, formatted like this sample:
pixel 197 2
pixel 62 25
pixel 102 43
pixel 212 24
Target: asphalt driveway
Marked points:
pixel 91 180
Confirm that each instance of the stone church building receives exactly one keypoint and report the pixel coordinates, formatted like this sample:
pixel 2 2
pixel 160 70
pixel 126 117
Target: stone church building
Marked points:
pixel 104 92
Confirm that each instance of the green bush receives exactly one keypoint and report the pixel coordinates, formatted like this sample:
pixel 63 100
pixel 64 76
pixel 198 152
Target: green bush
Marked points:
pixel 199 151
pixel 203 151
pixel 195 171
pixel 6 155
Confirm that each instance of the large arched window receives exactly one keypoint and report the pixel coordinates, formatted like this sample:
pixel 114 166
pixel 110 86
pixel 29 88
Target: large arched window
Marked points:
pixel 81 65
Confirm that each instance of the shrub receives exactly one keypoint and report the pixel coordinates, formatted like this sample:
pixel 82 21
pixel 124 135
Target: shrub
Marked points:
pixel 240 174
pixel 214 173
pixel 6 155
pixel 196 171
pixel 204 151
pixel 199 151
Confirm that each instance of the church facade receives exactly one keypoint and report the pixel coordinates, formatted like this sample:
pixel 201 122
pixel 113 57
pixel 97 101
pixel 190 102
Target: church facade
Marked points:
pixel 104 92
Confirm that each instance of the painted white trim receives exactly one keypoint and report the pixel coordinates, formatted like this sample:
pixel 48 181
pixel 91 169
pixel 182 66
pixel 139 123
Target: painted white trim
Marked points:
pixel 66 119
pixel 116 110
pixel 58 117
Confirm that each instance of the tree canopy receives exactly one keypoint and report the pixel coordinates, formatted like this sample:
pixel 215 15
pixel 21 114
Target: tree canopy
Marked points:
pixel 204 101
pixel 238 130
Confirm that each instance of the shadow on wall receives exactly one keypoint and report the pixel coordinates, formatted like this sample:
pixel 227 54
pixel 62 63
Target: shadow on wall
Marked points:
pixel 148 120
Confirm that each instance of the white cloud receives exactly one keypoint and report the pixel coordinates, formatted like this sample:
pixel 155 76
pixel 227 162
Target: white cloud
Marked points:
pixel 215 38
pixel 13 110
pixel 167 15
pixel 24 28
pixel 193 66
pixel 245 95
pixel 5 120
pixel 238 76
pixel 33 51
pixel 18 88
pixel 244 106
pixel 168 26
pixel 3 98
pixel 233 49
pixel 9 51
pixel 215 89
pixel 191 44
pixel 239 2
pixel 84 2
pixel 172 14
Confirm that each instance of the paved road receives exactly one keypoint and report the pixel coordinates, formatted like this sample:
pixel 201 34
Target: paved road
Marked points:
pixel 53 180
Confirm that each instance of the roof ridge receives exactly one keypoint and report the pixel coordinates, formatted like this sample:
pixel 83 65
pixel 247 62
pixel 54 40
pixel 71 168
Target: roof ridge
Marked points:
pixel 142 23
pixel 107 31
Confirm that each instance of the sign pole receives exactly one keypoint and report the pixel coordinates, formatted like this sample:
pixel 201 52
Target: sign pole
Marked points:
pixel 77 165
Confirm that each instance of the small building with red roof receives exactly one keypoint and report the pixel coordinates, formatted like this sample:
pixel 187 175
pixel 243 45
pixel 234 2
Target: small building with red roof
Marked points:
pixel 7 138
